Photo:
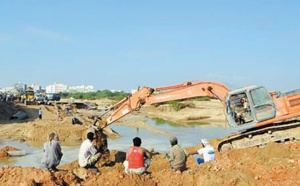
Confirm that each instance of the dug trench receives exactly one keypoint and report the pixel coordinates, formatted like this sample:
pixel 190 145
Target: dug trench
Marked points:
pixel 274 164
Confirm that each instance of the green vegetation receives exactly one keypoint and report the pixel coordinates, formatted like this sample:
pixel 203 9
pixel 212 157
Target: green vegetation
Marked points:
pixel 96 95
pixel 177 105
pixel 202 99
pixel 160 121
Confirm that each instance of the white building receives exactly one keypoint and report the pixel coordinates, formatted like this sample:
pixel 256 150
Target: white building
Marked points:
pixel 36 88
pixel 56 88
pixel 81 88
pixel 9 90
pixel 133 91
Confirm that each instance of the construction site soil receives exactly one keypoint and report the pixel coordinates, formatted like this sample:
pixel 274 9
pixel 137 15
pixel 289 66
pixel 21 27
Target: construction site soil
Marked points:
pixel 273 164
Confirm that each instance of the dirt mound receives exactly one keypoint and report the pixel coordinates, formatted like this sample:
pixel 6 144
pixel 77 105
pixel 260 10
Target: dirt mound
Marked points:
pixel 33 176
pixel 3 151
pixel 7 110
pixel 253 166
pixel 210 112
pixel 35 131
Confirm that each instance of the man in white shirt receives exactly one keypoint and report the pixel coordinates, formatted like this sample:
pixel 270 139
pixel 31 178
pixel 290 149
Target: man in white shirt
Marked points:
pixel 88 155
pixel 207 152
pixel 40 113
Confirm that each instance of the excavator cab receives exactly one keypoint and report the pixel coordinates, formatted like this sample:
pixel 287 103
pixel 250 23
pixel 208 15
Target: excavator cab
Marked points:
pixel 249 105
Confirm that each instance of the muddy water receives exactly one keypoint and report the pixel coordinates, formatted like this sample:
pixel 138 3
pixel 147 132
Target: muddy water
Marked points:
pixel 189 135
pixel 33 155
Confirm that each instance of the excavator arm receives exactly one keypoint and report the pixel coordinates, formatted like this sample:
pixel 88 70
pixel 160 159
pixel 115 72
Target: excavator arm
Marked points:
pixel 147 95
pixel 189 90
pixel 131 103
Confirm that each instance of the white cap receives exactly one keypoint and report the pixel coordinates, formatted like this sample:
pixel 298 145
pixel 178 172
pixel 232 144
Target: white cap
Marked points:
pixel 205 142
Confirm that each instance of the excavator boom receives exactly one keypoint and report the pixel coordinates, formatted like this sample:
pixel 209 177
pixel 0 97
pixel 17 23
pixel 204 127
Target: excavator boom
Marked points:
pixel 148 95
pixel 189 90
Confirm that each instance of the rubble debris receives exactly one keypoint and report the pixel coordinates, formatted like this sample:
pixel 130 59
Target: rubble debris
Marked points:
pixel 76 121
pixel 19 115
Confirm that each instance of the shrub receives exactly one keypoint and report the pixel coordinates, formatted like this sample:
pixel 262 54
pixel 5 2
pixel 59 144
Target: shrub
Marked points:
pixel 203 99
pixel 177 105
pixel 96 95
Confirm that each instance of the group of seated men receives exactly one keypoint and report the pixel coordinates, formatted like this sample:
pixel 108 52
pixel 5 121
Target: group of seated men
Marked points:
pixel 138 158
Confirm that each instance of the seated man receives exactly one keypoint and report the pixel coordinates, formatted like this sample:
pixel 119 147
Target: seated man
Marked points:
pixel 52 152
pixel 177 156
pixel 239 111
pixel 207 152
pixel 137 158
pixel 244 113
pixel 88 155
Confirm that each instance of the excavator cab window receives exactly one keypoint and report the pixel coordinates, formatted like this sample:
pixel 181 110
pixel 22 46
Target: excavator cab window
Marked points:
pixel 240 109
pixel 263 104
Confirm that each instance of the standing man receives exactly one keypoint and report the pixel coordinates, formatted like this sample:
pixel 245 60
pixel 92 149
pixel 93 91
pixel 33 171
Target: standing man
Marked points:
pixel 58 115
pixel 88 155
pixel 137 158
pixel 177 156
pixel 207 152
pixel 52 152
pixel 40 113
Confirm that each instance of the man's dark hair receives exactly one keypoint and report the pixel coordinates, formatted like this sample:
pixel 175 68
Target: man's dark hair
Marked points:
pixel 173 141
pixel 137 141
pixel 51 135
pixel 90 136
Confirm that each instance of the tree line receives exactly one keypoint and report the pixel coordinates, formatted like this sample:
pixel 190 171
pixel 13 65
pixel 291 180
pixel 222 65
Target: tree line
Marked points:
pixel 96 95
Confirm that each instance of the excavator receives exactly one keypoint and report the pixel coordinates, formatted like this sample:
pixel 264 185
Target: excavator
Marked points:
pixel 259 116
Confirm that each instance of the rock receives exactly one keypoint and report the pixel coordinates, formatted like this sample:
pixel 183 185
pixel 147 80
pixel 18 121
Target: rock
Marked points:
pixel 83 173
pixel 257 177
pixel 291 161
pixel 216 168
pixel 30 182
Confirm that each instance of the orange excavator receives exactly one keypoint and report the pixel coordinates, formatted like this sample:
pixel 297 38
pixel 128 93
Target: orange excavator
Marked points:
pixel 260 116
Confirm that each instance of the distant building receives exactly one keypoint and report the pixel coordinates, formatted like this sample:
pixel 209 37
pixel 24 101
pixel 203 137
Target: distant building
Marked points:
pixel 56 88
pixel 114 91
pixel 133 91
pixel 36 88
pixel 82 88
pixel 9 90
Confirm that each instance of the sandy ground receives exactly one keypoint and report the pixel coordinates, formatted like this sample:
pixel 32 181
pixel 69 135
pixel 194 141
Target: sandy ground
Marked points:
pixel 275 164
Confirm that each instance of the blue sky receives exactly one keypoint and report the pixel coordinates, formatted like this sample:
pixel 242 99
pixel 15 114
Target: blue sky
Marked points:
pixel 125 44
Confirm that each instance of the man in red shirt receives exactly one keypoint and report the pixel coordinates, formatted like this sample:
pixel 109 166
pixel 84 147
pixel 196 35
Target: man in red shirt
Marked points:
pixel 137 158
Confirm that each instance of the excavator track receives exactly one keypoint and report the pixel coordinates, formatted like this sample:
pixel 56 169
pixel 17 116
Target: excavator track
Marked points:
pixel 275 133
